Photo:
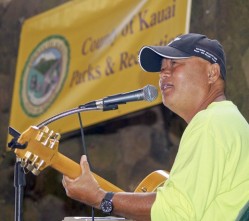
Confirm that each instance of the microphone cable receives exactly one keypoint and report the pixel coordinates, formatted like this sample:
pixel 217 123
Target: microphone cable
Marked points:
pixel 85 152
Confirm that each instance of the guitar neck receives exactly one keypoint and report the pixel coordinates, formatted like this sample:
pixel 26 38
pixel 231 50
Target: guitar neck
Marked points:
pixel 41 151
pixel 71 169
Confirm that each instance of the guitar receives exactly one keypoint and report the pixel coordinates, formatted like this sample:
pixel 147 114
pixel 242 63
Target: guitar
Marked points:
pixel 38 149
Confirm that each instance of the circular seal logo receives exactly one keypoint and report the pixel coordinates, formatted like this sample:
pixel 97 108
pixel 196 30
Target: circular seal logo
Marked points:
pixel 44 75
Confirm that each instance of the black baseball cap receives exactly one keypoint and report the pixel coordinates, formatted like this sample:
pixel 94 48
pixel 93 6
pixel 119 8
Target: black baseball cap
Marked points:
pixel 183 46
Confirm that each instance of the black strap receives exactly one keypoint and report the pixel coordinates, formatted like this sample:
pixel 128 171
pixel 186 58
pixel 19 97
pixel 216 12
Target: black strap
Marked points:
pixel 109 196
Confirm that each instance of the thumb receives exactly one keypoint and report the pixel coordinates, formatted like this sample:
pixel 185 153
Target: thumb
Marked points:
pixel 84 164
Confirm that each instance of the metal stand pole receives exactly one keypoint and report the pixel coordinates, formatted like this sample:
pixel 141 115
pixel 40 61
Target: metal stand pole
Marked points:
pixel 19 184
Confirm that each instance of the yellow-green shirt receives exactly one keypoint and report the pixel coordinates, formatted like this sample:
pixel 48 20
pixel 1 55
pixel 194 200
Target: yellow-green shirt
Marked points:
pixel 209 180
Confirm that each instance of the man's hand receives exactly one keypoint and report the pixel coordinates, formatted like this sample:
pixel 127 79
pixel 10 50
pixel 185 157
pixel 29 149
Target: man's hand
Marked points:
pixel 84 188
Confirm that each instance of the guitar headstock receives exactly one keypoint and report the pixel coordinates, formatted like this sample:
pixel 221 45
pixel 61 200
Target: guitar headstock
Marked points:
pixel 41 146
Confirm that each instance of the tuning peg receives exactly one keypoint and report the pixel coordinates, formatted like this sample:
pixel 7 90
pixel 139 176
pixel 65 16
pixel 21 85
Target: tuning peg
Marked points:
pixel 45 129
pixel 55 139
pixel 31 166
pixel 27 157
pixel 40 135
pixel 36 170
pixel 57 136
pixel 45 142
pixel 23 163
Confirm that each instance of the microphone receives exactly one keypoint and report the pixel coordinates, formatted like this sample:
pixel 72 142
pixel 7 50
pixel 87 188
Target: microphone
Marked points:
pixel 147 93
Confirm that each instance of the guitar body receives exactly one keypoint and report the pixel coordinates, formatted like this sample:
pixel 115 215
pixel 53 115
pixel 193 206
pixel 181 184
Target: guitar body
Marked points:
pixel 151 182
pixel 41 151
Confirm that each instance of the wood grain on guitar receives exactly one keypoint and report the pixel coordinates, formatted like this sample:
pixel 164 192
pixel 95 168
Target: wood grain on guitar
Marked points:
pixel 42 151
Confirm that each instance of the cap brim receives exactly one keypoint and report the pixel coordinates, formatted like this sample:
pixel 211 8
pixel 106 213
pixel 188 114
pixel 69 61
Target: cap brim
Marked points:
pixel 150 57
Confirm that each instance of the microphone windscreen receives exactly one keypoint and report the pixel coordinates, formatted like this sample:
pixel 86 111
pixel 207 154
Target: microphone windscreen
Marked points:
pixel 150 93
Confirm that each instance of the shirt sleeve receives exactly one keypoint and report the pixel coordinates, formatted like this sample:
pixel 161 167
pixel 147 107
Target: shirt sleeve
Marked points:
pixel 195 177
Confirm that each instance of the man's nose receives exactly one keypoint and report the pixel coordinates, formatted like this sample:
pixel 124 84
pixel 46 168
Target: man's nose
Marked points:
pixel 165 73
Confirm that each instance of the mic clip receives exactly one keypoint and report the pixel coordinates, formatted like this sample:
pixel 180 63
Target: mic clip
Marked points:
pixel 100 105
pixel 110 107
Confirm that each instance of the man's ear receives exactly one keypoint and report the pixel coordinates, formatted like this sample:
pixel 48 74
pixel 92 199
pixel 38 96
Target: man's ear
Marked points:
pixel 214 73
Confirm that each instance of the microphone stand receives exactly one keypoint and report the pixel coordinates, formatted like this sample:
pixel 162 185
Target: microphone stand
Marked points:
pixel 19 184
pixel 79 109
pixel 19 174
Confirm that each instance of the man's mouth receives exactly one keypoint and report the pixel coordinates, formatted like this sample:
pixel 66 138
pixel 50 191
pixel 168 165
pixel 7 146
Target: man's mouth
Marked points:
pixel 166 86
